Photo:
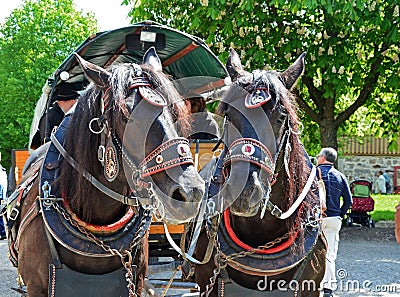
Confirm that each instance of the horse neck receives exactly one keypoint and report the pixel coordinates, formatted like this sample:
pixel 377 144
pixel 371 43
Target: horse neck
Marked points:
pixel 95 207
pixel 85 200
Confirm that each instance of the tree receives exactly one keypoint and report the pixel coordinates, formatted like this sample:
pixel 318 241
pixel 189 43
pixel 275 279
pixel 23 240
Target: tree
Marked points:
pixel 352 48
pixel 34 40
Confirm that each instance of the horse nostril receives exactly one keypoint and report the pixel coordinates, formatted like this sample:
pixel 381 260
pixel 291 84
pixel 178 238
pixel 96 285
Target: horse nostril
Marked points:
pixel 179 195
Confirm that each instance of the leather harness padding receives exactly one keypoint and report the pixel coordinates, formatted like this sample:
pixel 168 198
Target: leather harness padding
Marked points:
pixel 65 282
pixel 66 234
pixel 232 289
pixel 72 239
pixel 271 264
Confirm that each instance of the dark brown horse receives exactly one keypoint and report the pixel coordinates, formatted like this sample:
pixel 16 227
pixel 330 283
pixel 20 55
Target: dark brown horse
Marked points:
pixel 120 148
pixel 269 240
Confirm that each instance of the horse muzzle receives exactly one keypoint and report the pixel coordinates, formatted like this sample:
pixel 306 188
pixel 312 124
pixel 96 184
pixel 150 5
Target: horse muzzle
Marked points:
pixel 245 193
pixel 181 200
pixel 183 204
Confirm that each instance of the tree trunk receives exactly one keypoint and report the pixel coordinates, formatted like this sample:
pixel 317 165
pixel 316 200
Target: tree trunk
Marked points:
pixel 328 131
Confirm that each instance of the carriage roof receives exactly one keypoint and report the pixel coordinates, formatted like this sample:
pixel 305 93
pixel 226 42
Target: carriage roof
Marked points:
pixel 192 66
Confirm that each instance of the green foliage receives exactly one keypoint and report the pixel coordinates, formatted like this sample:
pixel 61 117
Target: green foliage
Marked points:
pixel 352 49
pixel 384 209
pixel 34 40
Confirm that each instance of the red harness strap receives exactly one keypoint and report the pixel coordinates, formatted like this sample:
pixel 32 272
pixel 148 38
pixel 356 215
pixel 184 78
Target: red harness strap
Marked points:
pixel 279 248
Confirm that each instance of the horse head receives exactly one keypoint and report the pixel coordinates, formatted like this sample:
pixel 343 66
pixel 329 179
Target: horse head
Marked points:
pixel 259 113
pixel 127 117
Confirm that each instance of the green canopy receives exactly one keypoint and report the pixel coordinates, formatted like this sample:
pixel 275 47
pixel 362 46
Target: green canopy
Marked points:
pixel 193 68
pixel 186 58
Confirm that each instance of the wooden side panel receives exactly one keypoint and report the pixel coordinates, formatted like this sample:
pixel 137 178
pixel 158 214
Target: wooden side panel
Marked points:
pixel 18 159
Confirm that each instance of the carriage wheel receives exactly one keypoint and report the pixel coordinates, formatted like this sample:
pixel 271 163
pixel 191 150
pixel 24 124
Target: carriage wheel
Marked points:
pixel 371 223
pixel 349 222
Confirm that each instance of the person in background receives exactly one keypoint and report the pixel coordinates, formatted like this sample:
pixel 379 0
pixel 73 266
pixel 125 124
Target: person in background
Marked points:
pixel 387 183
pixel 397 223
pixel 336 186
pixel 64 98
pixel 204 125
pixel 381 183
pixel 3 194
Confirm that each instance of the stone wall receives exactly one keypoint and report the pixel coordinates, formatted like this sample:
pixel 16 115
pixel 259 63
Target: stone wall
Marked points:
pixel 366 167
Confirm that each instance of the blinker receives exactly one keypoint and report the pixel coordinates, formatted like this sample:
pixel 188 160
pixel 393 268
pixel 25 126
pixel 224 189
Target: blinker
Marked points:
pixel 257 98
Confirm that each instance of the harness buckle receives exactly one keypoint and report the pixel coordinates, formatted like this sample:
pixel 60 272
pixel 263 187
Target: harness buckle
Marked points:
pixel 13 215
pixel 100 154
pixel 275 211
pixel 133 198
pixel 210 210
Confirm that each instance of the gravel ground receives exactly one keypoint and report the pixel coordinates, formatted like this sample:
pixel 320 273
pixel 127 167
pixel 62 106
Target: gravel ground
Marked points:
pixel 368 264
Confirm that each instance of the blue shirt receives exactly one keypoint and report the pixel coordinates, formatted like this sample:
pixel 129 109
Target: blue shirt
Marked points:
pixel 336 186
pixel 3 183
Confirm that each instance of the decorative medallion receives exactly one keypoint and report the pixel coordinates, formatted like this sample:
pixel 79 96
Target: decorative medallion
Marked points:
pixel 111 165
pixel 152 96
pixel 183 149
pixel 248 149
pixel 257 98
pixel 159 159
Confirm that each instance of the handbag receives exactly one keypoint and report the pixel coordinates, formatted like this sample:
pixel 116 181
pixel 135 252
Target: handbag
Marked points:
pixel 321 190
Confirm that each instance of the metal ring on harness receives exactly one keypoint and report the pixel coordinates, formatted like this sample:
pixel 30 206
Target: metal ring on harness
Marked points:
pixel 94 131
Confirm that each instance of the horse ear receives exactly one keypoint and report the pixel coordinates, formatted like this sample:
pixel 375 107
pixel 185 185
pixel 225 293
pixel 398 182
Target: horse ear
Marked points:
pixel 94 73
pixel 292 74
pixel 151 58
pixel 233 64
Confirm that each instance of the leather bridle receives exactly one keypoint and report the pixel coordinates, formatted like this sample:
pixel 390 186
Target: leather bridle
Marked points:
pixel 171 153
pixel 255 152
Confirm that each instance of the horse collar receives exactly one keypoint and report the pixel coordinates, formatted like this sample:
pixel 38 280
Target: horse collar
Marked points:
pixel 280 257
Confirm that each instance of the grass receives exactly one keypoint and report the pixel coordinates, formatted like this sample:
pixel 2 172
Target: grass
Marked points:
pixel 384 209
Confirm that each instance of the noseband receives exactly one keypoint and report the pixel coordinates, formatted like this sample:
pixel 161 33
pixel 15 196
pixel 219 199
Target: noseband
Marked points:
pixel 252 151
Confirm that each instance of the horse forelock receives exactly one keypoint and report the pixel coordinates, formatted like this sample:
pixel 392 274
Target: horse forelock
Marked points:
pixel 122 79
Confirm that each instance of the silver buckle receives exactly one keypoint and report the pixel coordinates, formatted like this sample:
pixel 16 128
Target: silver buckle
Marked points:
pixel 13 214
